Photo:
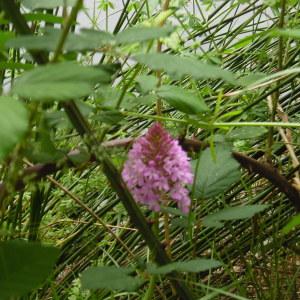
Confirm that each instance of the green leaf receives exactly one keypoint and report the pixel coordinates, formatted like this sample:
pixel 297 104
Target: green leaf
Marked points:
pixel 107 97
pixel 86 40
pixel 36 16
pixel 245 133
pixel 215 175
pixel 140 34
pixel 182 100
pixel 232 213
pixel 182 66
pixel 172 211
pixel 62 81
pixel 195 266
pixel 24 266
pixel 15 66
pixel 13 124
pixel 4 37
pixel 111 117
pixel 180 222
pixel 292 224
pixel 47 4
pixel 251 78
pixel 111 278
pixel 148 100
pixel 146 83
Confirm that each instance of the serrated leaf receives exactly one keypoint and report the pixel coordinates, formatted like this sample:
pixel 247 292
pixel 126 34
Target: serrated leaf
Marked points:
pixel 195 266
pixel 107 97
pixel 111 117
pixel 146 83
pixel 23 267
pixel 111 278
pixel 140 34
pixel 13 124
pixel 182 66
pixel 184 101
pixel 245 133
pixel 232 213
pixel 61 82
pixel 36 16
pixel 47 4
pixel 87 39
pixel 215 174
pixel 148 100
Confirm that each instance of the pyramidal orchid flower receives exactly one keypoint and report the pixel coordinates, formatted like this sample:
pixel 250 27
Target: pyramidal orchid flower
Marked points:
pixel 158 168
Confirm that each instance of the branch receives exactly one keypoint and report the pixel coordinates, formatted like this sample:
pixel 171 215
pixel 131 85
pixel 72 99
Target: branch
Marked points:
pixel 270 173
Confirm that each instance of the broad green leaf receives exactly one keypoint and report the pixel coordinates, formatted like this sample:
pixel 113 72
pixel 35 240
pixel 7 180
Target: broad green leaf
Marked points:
pixel 185 101
pixel 107 97
pixel 249 79
pixel 244 133
pixel 292 224
pixel 48 41
pixel 215 174
pixel 44 17
pixel 111 117
pixel 62 81
pixel 146 83
pixel 148 100
pixel 111 278
pixel 13 124
pixel 24 267
pixel 47 4
pixel 4 37
pixel 195 266
pixel 232 213
pixel 184 66
pixel 87 39
pixel 140 34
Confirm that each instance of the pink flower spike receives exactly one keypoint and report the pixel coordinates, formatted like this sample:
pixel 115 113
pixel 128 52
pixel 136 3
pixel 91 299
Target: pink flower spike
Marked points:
pixel 157 167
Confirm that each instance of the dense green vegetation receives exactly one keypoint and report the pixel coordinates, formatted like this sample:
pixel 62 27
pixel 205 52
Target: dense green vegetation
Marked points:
pixel 221 77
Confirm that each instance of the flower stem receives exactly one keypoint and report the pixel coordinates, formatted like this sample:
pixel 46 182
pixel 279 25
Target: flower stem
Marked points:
pixel 165 7
pixel 167 234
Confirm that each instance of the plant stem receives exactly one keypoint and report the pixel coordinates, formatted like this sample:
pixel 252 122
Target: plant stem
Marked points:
pixel 159 47
pixel 275 96
pixel 167 234
pixel 150 291
pixel 206 125
pixel 66 28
